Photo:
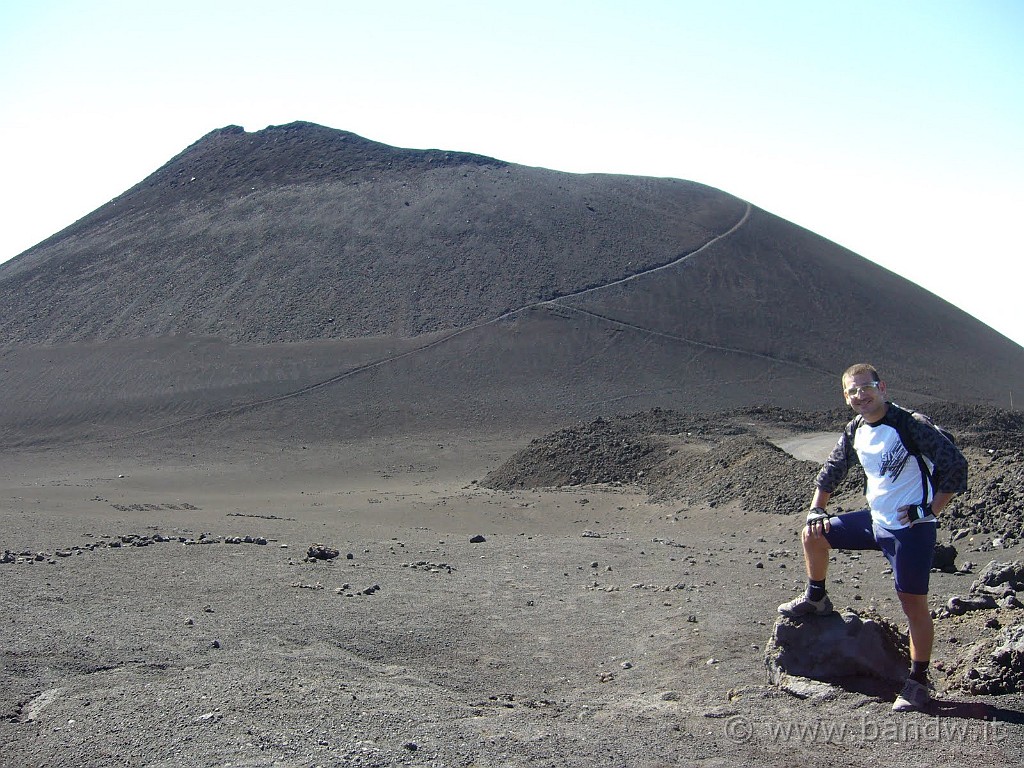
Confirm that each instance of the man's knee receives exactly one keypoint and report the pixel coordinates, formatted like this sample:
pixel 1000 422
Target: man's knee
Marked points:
pixel 814 541
pixel 914 605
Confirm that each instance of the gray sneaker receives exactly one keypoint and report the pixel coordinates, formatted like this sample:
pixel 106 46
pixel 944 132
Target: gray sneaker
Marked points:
pixel 913 697
pixel 803 606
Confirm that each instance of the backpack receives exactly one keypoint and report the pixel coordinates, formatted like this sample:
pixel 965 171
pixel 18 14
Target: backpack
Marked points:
pixel 901 423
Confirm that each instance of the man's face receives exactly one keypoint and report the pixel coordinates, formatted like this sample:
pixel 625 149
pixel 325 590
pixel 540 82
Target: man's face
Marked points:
pixel 865 396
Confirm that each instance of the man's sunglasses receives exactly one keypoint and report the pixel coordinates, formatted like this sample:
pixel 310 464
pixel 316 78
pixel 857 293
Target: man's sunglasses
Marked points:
pixel 860 390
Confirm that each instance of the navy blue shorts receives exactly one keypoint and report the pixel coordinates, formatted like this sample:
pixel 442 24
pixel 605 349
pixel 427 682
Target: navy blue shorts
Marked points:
pixel 908 550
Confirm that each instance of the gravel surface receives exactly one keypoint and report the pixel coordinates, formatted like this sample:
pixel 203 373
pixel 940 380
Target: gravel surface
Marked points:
pixel 400 612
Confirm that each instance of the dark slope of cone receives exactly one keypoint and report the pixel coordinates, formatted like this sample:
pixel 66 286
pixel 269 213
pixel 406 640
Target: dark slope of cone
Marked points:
pixel 566 298
pixel 541 368
pixel 302 232
pixel 776 290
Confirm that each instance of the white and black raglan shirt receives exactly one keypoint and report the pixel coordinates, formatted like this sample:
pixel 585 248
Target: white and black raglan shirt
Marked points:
pixel 894 477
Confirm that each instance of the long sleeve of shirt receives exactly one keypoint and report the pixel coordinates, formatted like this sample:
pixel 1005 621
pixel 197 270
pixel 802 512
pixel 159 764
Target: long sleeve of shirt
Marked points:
pixel 837 465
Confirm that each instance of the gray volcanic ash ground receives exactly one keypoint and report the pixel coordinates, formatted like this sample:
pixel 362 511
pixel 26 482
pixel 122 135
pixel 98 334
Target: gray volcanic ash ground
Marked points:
pixel 610 605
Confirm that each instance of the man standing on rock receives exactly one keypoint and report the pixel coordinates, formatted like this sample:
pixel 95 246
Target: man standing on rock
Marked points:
pixel 913 470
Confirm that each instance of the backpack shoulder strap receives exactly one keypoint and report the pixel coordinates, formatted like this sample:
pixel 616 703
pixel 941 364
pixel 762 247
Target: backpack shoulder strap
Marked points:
pixel 851 430
pixel 901 422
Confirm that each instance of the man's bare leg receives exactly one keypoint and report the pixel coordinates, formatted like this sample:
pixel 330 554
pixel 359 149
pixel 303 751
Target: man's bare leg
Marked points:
pixel 816 552
pixel 922 630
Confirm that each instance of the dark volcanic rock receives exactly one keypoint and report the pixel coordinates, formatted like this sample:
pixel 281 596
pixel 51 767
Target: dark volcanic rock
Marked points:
pixel 855 651
pixel 944 558
pixel 321 552
pixel 994 665
pixel 998 574
pixel 994 501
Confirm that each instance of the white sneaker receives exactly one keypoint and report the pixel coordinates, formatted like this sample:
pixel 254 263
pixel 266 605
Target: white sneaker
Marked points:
pixel 913 697
pixel 803 606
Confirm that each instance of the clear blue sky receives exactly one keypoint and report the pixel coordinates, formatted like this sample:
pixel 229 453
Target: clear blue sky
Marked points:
pixel 895 128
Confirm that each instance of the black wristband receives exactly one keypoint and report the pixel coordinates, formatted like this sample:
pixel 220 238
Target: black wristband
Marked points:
pixel 918 512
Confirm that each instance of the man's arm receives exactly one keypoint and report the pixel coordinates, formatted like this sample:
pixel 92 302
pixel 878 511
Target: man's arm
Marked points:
pixel 831 476
pixel 836 466
pixel 941 499
pixel 949 471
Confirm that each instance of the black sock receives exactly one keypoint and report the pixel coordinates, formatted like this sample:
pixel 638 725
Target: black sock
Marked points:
pixel 815 590
pixel 919 671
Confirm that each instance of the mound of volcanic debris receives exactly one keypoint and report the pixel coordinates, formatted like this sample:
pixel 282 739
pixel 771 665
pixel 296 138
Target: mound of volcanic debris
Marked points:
pixel 992 439
pixel 996 587
pixel 744 468
pixel 1000 668
pixel 725 458
pixel 980 426
pixel 600 452
pixel 701 459
pixel 994 500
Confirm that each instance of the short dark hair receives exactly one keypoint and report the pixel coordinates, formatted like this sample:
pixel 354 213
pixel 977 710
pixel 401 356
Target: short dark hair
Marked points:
pixel 853 370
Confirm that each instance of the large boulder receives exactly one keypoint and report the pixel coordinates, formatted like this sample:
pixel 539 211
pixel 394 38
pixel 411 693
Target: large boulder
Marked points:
pixel 944 558
pixel 997 586
pixel 854 651
pixel 998 578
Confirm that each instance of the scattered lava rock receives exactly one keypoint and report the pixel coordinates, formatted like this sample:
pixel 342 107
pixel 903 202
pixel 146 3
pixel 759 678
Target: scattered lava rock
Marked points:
pixel 944 558
pixel 321 552
pixel 995 665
